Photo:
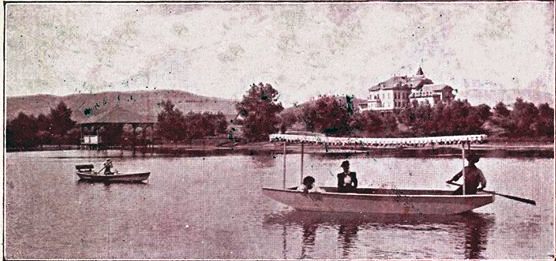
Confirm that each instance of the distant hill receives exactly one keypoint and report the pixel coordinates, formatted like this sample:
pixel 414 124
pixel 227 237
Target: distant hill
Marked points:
pixel 492 96
pixel 142 102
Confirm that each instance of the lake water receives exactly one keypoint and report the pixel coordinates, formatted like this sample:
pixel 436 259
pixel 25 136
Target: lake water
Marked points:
pixel 213 207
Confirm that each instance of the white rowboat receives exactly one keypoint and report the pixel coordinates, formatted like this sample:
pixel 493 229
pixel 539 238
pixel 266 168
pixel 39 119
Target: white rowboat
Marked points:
pixel 86 173
pixel 116 177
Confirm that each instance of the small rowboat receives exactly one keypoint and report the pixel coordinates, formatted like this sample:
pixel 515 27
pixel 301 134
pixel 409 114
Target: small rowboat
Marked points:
pixel 86 173
pixel 378 201
pixel 381 201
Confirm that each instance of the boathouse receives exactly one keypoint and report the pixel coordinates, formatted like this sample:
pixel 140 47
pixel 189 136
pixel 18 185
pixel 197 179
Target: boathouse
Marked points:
pixel 117 126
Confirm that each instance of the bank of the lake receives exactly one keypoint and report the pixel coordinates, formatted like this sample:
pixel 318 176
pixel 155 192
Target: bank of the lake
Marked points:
pixel 491 149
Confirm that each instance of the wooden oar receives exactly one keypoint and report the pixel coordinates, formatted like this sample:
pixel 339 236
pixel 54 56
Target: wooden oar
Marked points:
pixel 524 200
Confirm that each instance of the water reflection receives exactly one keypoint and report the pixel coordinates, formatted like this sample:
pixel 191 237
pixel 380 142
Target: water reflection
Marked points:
pixel 84 183
pixel 474 226
pixel 308 242
pixel 263 161
pixel 476 230
pixel 347 236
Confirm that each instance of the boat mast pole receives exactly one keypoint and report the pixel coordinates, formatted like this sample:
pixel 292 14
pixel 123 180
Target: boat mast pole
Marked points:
pixel 463 160
pixel 302 152
pixel 284 168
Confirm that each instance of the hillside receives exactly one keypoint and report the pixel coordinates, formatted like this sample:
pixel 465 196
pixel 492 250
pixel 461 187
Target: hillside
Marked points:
pixel 493 96
pixel 142 102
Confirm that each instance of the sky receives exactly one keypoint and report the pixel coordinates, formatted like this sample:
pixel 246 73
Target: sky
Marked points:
pixel 303 49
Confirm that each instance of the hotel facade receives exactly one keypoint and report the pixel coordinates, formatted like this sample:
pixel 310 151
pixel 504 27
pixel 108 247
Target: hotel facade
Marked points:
pixel 400 92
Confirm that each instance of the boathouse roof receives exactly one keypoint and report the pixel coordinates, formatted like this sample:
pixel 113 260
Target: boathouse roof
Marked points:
pixel 119 115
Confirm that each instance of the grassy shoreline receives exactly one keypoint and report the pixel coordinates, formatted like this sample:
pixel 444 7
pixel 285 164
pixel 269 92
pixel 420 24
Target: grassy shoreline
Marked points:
pixel 491 149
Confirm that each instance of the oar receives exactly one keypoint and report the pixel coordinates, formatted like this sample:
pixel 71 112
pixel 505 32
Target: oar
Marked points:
pixel 101 169
pixel 524 200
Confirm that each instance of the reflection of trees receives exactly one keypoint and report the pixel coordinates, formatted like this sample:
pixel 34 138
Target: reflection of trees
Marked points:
pixel 473 226
pixel 263 161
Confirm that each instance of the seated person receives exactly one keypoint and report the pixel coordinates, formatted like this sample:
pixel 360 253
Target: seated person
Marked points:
pixel 347 181
pixel 473 177
pixel 309 185
pixel 108 167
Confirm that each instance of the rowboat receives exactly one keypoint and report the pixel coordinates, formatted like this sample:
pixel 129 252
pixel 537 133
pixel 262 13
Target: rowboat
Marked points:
pixel 86 173
pixel 377 200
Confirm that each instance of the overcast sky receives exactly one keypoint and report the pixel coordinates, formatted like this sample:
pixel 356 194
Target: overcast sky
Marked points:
pixel 302 49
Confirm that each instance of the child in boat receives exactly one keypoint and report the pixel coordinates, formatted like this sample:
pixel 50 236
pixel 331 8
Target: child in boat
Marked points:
pixel 473 177
pixel 347 180
pixel 309 185
pixel 108 167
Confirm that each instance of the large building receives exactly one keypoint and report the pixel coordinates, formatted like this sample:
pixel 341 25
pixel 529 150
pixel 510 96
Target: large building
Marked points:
pixel 106 129
pixel 400 92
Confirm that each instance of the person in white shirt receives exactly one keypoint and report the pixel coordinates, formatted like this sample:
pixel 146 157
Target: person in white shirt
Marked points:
pixel 309 186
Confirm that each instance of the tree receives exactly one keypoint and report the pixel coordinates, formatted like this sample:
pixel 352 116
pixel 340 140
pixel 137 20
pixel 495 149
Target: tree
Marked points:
pixel 21 132
pixel 44 126
pixel 367 123
pixel 308 117
pixel 327 115
pixel 259 109
pixel 483 111
pixel 501 110
pixel 287 119
pixel 198 125
pixel 220 123
pixel 545 122
pixel 524 114
pixel 170 122
pixel 60 122
pixel 454 118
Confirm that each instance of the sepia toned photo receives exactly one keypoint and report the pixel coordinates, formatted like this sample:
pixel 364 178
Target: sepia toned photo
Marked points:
pixel 279 130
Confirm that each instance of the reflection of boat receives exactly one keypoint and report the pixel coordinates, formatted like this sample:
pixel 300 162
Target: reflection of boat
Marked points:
pixel 475 227
pixel 334 219
pixel 383 201
pixel 86 173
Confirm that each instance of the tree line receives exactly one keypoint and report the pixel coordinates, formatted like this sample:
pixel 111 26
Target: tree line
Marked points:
pixel 173 126
pixel 337 116
pixel 260 113
pixel 57 128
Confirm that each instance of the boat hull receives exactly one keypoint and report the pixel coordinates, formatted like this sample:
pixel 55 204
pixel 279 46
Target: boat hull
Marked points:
pixel 124 177
pixel 381 201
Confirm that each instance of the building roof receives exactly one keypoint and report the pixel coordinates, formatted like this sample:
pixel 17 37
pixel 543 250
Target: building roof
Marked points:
pixel 435 87
pixel 119 115
pixel 401 82
pixel 420 71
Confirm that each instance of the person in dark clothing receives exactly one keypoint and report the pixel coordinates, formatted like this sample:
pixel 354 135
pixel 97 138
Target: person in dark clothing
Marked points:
pixel 347 180
pixel 108 167
pixel 473 177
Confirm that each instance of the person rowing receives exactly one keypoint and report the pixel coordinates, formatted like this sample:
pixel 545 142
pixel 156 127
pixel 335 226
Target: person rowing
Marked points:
pixel 107 167
pixel 473 177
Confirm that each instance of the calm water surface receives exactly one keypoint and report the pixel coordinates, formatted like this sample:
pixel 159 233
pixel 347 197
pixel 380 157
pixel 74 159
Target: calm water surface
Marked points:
pixel 212 207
